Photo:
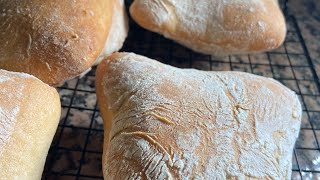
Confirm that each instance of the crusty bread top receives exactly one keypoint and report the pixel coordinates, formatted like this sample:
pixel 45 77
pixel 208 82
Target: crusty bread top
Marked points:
pixel 214 26
pixel 14 91
pixel 190 124
pixel 29 116
pixel 53 40
pixel 10 99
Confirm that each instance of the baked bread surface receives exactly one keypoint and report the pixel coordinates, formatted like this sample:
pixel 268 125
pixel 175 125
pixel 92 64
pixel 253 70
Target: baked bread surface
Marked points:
pixel 54 40
pixel 216 27
pixel 162 122
pixel 118 31
pixel 29 115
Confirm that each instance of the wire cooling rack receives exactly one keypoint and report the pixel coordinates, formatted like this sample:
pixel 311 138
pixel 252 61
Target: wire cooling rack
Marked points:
pixel 76 150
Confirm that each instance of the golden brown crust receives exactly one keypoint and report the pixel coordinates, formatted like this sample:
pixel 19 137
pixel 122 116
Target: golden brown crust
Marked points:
pixel 106 114
pixel 170 123
pixel 118 31
pixel 31 112
pixel 229 27
pixel 53 40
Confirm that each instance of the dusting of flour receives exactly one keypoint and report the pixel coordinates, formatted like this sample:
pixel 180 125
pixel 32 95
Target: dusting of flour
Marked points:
pixel 171 123
pixel 208 26
pixel 10 95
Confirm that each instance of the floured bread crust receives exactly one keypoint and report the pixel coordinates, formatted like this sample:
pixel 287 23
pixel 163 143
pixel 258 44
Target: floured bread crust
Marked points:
pixel 118 31
pixel 162 122
pixel 29 116
pixel 217 27
pixel 54 40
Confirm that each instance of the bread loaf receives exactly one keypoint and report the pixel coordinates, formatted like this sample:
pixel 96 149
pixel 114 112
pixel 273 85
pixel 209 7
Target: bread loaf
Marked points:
pixel 53 40
pixel 118 31
pixel 214 26
pixel 162 122
pixel 29 116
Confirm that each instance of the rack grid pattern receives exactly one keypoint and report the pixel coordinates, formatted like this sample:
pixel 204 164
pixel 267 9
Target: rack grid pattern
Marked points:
pixel 76 150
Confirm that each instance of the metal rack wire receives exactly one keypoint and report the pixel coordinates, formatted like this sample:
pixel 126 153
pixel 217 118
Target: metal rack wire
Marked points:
pixel 76 151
